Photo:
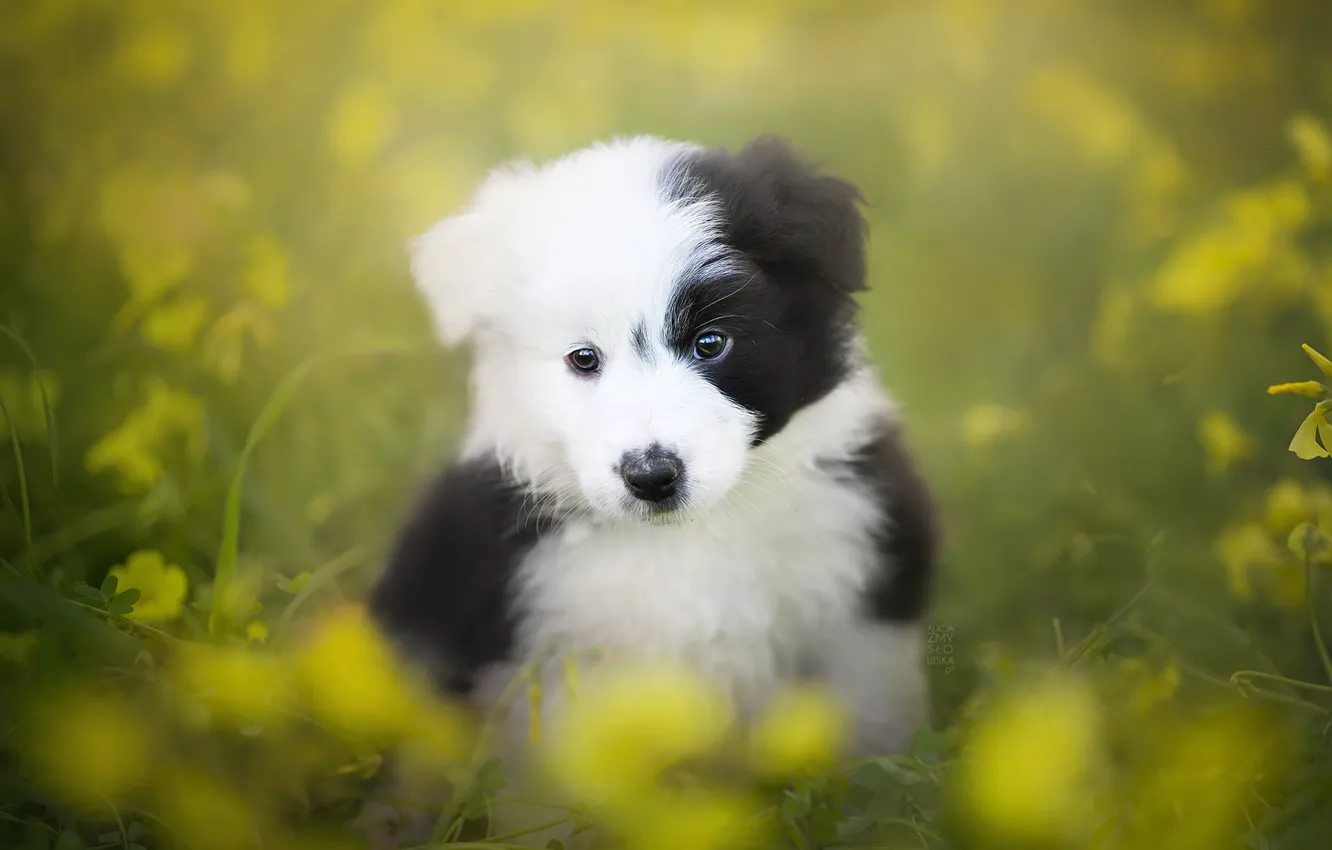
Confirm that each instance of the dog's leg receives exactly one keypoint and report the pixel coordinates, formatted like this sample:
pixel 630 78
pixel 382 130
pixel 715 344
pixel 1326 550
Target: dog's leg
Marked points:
pixel 878 670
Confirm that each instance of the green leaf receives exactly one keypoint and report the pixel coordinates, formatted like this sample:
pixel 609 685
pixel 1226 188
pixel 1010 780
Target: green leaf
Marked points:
pixel 294 584
pixel 87 591
pixel 554 844
pixel 228 552
pixel 124 603
pixel 109 586
pixel 68 840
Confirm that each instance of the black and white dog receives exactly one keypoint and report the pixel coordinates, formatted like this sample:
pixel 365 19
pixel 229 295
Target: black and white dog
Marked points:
pixel 676 446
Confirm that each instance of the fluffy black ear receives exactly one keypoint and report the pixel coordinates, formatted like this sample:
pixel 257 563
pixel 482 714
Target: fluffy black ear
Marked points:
pixel 797 224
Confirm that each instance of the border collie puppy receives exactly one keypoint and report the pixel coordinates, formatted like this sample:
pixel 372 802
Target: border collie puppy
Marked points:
pixel 676 447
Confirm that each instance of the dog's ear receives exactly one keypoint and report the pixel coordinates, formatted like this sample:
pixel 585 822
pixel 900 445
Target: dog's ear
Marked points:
pixel 453 271
pixel 459 263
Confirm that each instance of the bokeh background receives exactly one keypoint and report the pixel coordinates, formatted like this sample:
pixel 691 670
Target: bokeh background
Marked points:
pixel 1099 233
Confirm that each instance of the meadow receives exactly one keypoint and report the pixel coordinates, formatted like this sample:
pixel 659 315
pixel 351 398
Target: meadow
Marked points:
pixel 1101 271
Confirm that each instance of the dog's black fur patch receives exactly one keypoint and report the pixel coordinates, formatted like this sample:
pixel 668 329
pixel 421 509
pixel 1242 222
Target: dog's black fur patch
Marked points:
pixel 447 589
pixel 798 239
pixel 907 537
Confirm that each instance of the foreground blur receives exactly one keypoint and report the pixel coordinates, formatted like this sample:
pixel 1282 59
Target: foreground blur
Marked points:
pixel 1100 233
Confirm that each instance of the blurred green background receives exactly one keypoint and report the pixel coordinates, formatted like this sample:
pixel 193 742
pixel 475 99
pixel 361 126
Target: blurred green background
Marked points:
pixel 1098 233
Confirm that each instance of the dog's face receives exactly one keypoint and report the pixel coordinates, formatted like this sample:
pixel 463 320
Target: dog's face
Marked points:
pixel 644 314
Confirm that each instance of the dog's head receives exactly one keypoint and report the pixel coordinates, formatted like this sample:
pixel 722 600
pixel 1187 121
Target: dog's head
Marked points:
pixel 644 313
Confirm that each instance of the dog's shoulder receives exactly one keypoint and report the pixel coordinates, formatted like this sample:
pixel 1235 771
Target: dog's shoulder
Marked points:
pixel 906 534
pixel 446 593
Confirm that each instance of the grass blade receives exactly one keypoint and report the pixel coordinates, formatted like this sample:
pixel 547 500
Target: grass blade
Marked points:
pixel 52 440
pixel 277 404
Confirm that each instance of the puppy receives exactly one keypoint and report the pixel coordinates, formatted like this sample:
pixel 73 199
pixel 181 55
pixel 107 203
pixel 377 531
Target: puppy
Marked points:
pixel 676 447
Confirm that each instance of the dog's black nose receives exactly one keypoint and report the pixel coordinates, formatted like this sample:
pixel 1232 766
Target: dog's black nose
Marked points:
pixel 651 475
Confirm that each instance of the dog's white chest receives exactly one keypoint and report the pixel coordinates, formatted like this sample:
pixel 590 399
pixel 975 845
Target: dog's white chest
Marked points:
pixel 743 594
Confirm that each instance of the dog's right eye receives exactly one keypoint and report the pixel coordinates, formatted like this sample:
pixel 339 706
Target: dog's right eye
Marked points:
pixel 584 361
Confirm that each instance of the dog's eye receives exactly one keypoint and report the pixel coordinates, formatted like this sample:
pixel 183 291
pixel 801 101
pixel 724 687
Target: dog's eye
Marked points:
pixel 710 345
pixel 584 361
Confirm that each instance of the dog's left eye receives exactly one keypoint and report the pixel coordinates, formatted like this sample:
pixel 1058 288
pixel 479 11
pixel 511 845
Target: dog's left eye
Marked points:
pixel 585 361
pixel 710 345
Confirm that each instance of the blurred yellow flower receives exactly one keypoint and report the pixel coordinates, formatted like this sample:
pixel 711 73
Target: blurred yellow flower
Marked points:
pixel 1250 240
pixel 1313 144
pixel 802 732
pixel 1026 773
pixel 256 631
pixel 133 450
pixel 697 820
pixel 1104 127
pixel 157 54
pixel 162 587
pixel 630 724
pixel 233 685
pixel 984 424
pixel 1193 789
pixel 205 814
pixel 87 748
pixel 175 326
pixel 18 647
pixel 223 351
pixel 1245 550
pixel 1148 688
pixel 364 120
pixel 351 679
pixel 266 275
pixel 1223 440
pixel 1290 503
pixel 251 43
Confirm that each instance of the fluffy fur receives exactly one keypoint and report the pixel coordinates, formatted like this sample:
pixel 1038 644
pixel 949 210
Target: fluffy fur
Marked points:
pixel 784 533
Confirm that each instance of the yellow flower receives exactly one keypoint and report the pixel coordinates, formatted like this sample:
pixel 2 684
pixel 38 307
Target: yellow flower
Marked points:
pixel 1287 506
pixel 156 55
pixel 1311 141
pixel 175 327
pixel 1224 441
pixel 266 275
pixel 984 424
pixel 697 820
pixel 802 732
pixel 1324 365
pixel 629 725
pixel 162 587
pixel 256 631
pixel 86 748
pixel 1305 444
pixel 351 679
pixel 1193 789
pixel 133 451
pixel 1311 389
pixel 232 685
pixel 1025 774
pixel 205 814
pixel 1243 550
pixel 364 120
pixel 1097 120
